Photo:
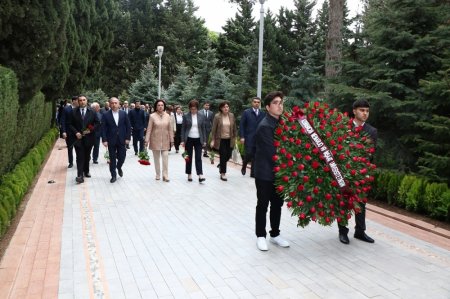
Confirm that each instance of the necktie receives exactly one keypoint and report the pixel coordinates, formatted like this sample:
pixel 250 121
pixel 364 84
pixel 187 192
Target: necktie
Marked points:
pixel 82 113
pixel 206 112
pixel 256 111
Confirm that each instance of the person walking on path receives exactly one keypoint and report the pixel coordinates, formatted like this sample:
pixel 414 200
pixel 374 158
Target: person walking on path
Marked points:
pixel 264 175
pixel 193 137
pixel 158 138
pixel 250 119
pixel 138 126
pixel 223 136
pixel 209 115
pixel 116 134
pixel 98 133
pixel 83 123
pixel 67 134
pixel 361 113
pixel 178 125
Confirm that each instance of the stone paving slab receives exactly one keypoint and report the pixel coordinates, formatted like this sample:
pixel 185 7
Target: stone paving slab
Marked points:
pixel 142 238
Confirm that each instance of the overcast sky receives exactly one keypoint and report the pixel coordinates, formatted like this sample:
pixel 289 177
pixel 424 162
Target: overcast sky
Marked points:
pixel 216 12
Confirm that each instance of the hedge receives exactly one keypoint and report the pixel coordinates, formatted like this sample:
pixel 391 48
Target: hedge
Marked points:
pixel 412 192
pixel 15 184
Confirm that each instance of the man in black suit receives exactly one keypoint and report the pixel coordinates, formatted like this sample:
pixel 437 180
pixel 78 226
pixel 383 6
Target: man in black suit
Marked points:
pixel 361 113
pixel 247 128
pixel 67 134
pixel 83 124
pixel 138 125
pixel 264 175
pixel 116 134
pixel 209 115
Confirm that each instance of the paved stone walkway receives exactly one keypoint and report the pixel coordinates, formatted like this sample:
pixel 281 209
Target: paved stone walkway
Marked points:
pixel 142 238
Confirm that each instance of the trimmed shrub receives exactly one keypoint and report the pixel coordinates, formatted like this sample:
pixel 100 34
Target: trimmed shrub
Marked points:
pixel 433 199
pixel 393 187
pixel 415 196
pixel 405 186
pixel 16 183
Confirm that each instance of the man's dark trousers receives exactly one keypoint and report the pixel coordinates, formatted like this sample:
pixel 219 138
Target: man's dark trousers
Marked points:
pixel 138 136
pixel 117 154
pixel 265 192
pixel 83 148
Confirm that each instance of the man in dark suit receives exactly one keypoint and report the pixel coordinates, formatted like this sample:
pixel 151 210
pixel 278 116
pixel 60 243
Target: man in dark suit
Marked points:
pixel 361 113
pixel 209 116
pixel 116 134
pixel 138 125
pixel 83 124
pixel 67 134
pixel 264 175
pixel 247 128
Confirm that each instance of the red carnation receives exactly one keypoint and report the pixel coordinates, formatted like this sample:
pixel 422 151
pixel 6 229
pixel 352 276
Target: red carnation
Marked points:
pixel 319 180
pixel 298 141
pixel 309 198
pixel 300 203
pixel 363 171
pixel 328 196
pixel 275 158
pixel 315 150
pixel 301 167
pixel 276 143
pixel 300 187
pixel 276 169
pixel 289 204
pixel 298 155
pixel 278 131
pixel 308 158
pixel 326 169
pixel 302 216
pixel 332 142
pixel 315 164
pixel 280 188
pixel 294 173
pixel 316 190
pixel 305 178
pixel 289 156
pixel 290 163
pixel 286 178
pixel 308 145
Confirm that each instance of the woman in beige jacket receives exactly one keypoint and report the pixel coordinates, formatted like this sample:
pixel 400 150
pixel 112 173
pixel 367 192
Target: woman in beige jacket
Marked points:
pixel 223 136
pixel 159 136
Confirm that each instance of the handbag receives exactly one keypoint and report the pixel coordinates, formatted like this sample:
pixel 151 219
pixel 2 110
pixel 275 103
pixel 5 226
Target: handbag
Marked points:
pixel 236 155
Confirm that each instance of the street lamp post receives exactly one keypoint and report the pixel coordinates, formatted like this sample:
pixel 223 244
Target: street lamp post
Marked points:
pixel 160 50
pixel 260 50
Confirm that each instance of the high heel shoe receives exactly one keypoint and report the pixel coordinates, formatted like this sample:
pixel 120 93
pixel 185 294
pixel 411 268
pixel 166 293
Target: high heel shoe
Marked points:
pixel 166 179
pixel 223 178
pixel 189 179
pixel 200 180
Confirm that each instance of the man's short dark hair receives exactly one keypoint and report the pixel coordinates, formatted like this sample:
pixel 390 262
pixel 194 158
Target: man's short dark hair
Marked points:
pixel 272 95
pixel 361 104
pixel 256 98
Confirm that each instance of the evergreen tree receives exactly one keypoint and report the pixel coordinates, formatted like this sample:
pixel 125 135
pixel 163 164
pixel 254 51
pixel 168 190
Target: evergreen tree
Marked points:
pixel 396 54
pixel 205 66
pixel 220 87
pixel 145 88
pixel 32 41
pixel 234 44
pixel 182 89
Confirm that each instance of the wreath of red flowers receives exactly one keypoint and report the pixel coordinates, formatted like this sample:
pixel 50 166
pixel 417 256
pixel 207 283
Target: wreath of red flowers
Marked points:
pixel 304 176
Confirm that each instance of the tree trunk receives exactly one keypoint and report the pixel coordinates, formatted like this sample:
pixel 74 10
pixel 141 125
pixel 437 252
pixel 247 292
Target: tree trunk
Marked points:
pixel 334 39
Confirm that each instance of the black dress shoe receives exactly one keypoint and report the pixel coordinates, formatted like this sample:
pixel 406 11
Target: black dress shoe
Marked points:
pixel 364 237
pixel 344 239
pixel 243 170
pixel 113 179
pixel 95 162
pixel 205 155
pixel 88 175
pixel 120 172
pixel 70 165
pixel 79 179
pixel 201 180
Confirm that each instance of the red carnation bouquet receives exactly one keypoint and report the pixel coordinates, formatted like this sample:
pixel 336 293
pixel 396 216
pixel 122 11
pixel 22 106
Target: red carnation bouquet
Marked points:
pixel 323 166
pixel 144 159
pixel 186 157
pixel 89 128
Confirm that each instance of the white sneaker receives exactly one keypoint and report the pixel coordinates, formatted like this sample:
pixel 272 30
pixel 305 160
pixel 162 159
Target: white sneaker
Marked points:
pixel 279 241
pixel 261 244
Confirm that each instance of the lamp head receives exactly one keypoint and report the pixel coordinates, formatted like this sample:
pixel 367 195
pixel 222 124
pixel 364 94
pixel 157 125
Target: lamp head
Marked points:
pixel 160 50
pixel 262 1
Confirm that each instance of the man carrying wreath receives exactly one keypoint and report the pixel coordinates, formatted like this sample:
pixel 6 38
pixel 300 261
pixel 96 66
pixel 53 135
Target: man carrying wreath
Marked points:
pixel 361 113
pixel 265 176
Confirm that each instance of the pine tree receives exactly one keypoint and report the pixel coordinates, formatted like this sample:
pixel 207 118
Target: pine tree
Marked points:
pixel 182 89
pixel 239 34
pixel 146 87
